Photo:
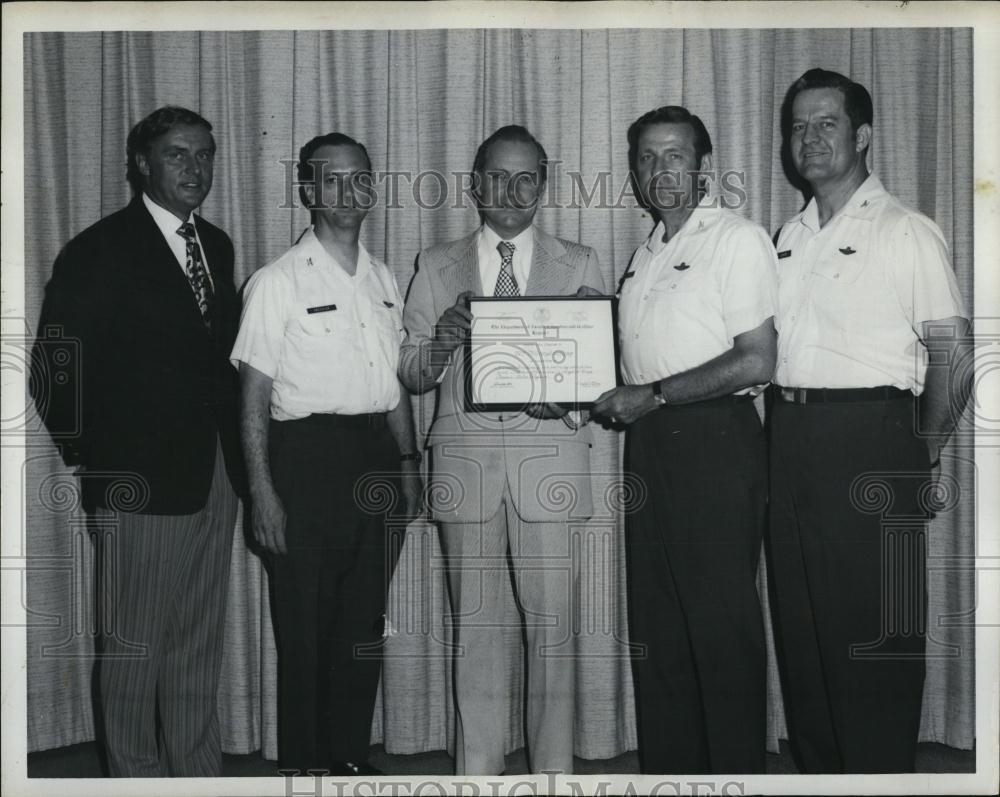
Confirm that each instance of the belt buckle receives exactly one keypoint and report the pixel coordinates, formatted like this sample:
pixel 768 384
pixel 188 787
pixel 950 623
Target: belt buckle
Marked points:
pixel 796 395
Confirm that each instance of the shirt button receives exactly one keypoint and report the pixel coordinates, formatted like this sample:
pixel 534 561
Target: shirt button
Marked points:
pixel 371 363
pixel 636 336
pixel 836 276
pixel 645 297
pixel 673 286
pixel 784 359
pixel 793 318
pixel 327 328
pixel 362 324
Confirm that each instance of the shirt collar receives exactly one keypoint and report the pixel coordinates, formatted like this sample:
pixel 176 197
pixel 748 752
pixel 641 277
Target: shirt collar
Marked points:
pixel 858 205
pixel 168 223
pixel 701 218
pixel 313 252
pixel 489 239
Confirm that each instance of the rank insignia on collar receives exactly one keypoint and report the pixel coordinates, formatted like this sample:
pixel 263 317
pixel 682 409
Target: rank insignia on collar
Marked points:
pixel 784 254
pixel 847 251
pixel 683 266
pixel 388 304
pixel 309 261
pixel 864 204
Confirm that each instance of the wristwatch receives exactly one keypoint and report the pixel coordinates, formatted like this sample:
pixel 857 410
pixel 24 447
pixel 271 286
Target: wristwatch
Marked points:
pixel 658 397
pixel 413 456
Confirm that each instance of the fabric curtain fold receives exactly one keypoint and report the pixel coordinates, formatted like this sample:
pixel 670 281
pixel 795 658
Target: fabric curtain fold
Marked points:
pixel 422 101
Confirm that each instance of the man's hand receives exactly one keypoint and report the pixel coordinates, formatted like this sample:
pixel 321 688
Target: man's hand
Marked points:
pixel 625 404
pixel 413 488
pixel 268 519
pixel 454 324
pixel 544 412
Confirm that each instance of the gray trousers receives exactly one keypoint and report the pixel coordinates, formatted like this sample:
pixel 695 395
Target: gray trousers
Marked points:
pixel 164 592
pixel 545 580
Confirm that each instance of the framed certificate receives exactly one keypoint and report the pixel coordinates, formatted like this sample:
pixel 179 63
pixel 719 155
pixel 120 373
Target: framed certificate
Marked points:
pixel 540 349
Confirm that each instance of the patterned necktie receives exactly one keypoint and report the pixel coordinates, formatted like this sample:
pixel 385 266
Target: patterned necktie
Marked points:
pixel 197 274
pixel 506 284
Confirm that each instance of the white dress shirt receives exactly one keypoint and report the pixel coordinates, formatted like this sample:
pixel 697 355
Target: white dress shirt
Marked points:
pixel 328 340
pixel 688 298
pixel 490 260
pixel 169 224
pixel 852 295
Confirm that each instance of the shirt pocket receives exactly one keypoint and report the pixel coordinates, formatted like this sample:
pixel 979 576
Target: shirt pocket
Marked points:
pixel 389 320
pixel 675 282
pixel 677 304
pixel 672 296
pixel 846 256
pixel 321 325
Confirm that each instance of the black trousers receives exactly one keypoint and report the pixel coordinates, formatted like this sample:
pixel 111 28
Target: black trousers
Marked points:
pixel 693 548
pixel 338 486
pixel 847 550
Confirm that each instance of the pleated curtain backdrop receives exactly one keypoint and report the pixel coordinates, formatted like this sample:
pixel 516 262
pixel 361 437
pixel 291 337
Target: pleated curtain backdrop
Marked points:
pixel 422 101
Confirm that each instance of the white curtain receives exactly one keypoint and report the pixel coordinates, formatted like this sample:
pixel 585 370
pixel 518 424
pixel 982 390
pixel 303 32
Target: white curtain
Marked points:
pixel 421 101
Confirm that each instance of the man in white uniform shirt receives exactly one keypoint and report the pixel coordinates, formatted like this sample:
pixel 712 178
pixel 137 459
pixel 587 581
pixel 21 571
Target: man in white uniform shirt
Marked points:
pixel 322 416
pixel 864 287
pixel 697 342
pixel 489 469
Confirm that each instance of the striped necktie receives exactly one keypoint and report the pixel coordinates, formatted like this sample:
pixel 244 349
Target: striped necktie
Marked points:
pixel 197 274
pixel 506 283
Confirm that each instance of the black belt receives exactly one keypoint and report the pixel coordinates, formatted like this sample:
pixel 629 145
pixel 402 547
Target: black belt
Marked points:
pixel 372 420
pixel 826 395
pixel 715 402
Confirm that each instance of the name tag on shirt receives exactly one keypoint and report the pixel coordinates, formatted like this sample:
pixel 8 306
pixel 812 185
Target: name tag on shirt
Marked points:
pixel 325 308
pixel 783 255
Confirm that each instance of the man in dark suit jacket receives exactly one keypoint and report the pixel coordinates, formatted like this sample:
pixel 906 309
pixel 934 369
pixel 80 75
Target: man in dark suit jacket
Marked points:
pixel 150 419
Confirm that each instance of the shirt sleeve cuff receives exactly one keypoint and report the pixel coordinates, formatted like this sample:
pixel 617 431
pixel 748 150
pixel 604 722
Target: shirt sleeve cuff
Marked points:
pixel 742 321
pixel 266 367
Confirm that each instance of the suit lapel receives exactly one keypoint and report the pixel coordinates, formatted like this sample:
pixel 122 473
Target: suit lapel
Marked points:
pixel 159 264
pixel 548 268
pixel 462 272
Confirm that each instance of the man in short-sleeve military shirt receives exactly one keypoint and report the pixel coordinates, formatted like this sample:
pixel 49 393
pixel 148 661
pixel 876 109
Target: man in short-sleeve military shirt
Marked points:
pixel 865 287
pixel 697 342
pixel 324 424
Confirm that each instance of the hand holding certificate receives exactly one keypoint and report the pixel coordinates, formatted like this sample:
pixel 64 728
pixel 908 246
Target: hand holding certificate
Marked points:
pixel 540 349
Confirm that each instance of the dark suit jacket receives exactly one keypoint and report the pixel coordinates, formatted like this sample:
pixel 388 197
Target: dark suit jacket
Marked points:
pixel 148 388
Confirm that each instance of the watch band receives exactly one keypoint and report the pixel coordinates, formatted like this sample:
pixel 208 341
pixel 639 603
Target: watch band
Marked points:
pixel 658 396
pixel 412 456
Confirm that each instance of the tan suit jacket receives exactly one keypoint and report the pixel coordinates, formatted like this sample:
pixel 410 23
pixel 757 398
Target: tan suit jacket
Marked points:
pixel 546 464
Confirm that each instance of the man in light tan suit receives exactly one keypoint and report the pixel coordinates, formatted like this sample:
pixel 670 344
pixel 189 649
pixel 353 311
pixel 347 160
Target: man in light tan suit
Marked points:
pixel 505 486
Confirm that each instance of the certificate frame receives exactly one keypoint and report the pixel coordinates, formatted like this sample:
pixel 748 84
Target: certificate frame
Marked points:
pixel 488 352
